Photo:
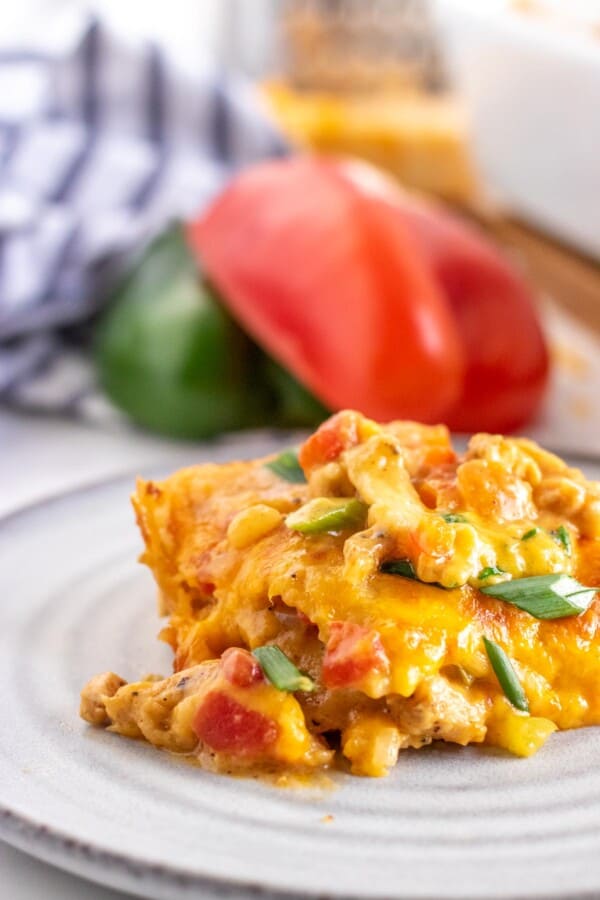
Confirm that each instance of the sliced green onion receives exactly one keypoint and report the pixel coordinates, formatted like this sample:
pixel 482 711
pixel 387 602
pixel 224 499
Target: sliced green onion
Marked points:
pixel 529 534
pixel 286 466
pixel 454 517
pixel 489 572
pixel 281 671
pixel 328 514
pixel 506 675
pixel 402 567
pixel 563 537
pixel 544 596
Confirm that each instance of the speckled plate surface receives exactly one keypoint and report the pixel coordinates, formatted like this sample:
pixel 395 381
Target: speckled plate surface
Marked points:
pixel 448 823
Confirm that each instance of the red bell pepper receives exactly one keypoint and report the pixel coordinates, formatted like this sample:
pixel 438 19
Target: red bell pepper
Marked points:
pixel 373 299
pixel 494 307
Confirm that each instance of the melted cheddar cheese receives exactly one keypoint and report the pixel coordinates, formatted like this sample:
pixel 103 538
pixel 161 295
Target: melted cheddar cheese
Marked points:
pixel 398 662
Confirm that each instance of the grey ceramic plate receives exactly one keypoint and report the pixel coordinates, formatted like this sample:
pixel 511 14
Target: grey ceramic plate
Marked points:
pixel 448 823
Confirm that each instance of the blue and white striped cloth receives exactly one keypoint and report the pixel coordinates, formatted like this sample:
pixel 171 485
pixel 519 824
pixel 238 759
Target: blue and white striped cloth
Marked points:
pixel 101 146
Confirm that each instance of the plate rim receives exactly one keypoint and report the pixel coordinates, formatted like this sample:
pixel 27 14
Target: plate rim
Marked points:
pixel 87 860
pixel 81 857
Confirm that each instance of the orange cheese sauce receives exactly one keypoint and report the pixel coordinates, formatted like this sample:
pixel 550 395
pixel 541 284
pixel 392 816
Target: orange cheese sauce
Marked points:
pixel 397 662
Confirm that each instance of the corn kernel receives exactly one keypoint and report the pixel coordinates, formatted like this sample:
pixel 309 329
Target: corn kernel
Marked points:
pixel 251 524
pixel 372 744
pixel 520 734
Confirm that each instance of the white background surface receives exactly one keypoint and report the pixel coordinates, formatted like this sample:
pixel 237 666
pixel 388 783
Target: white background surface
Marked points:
pixel 24 878
pixel 529 84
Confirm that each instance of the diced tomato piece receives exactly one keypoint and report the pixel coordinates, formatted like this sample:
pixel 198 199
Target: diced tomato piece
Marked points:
pixel 228 727
pixel 240 668
pixel 207 588
pixel 364 325
pixel 329 440
pixel 352 653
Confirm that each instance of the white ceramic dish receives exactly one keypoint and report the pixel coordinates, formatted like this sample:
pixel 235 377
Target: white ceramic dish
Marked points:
pixel 448 823
pixel 532 90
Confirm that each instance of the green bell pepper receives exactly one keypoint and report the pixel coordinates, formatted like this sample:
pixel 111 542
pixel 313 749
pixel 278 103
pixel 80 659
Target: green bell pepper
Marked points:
pixel 174 360
pixel 169 355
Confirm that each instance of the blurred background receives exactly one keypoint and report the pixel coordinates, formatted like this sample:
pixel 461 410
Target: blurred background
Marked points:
pixel 132 326
pixel 123 342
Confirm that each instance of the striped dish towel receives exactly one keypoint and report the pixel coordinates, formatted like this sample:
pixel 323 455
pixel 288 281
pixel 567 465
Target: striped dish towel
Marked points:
pixel 102 144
